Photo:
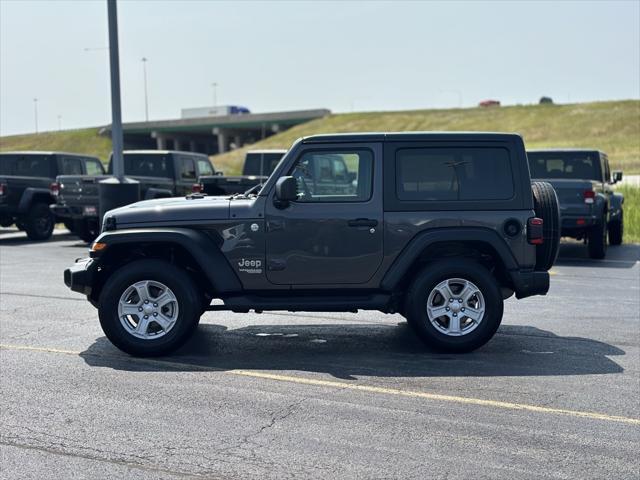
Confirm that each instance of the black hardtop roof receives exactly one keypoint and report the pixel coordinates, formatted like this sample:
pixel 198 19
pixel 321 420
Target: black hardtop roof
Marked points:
pixel 565 150
pixel 409 137
pixel 38 152
pixel 162 152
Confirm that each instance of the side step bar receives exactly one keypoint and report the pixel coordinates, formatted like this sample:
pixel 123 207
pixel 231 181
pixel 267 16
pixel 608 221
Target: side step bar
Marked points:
pixel 305 303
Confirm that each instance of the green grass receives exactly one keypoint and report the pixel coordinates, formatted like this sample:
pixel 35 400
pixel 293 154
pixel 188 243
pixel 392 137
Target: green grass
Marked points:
pixel 76 141
pixel 613 127
pixel 631 213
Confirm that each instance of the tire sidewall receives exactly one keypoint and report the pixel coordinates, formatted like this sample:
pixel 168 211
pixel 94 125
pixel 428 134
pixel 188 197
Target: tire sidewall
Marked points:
pixel 431 275
pixel 37 212
pixel 180 284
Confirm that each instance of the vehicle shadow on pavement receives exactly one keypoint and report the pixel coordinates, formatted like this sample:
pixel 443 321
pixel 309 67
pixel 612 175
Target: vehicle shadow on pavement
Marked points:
pixel 574 254
pixel 20 238
pixel 347 351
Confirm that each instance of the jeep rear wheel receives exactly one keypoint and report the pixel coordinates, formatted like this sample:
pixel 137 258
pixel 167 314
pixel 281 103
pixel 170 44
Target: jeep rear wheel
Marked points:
pixel 149 308
pixel 454 306
pixel 597 240
pixel 39 222
pixel 545 204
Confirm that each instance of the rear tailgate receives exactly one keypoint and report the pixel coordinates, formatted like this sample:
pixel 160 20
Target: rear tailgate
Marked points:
pixel 571 195
pixel 80 191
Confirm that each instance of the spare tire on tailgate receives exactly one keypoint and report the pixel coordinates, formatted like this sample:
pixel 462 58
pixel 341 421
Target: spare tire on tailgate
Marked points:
pixel 545 204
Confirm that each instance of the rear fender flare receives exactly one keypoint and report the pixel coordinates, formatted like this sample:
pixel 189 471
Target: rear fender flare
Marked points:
pixel 423 240
pixel 198 244
pixel 31 195
pixel 616 200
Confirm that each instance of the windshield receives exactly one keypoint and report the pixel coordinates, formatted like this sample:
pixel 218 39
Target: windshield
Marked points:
pixel 568 165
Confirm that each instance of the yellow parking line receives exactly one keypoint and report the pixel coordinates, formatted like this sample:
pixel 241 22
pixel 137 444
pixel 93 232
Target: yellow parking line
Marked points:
pixel 365 388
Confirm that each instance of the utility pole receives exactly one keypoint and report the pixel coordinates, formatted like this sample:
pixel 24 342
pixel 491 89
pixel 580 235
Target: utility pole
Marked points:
pixel 214 85
pixel 116 191
pixel 116 113
pixel 59 122
pixel 35 111
pixel 146 98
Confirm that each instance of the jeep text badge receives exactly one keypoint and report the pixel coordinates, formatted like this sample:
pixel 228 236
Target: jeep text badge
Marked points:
pixel 250 266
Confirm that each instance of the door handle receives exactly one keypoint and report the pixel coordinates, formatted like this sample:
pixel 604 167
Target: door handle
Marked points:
pixel 363 222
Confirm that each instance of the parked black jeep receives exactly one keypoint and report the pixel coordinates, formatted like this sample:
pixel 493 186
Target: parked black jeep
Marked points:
pixel 25 178
pixel 439 227
pixel 161 173
pixel 590 209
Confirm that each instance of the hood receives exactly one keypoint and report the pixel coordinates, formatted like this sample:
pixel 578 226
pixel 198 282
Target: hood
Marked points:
pixel 171 210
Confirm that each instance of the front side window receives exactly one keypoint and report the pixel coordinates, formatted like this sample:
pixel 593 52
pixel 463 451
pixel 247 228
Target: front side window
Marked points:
pixel 94 167
pixel 334 176
pixel 187 169
pixel 453 174
pixel 204 167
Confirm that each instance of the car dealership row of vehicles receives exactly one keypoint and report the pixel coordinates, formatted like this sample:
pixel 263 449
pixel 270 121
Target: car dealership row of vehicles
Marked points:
pixel 40 189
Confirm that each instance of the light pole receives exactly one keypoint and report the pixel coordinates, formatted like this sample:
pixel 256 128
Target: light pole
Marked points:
pixel 35 111
pixel 214 85
pixel 59 122
pixel 146 98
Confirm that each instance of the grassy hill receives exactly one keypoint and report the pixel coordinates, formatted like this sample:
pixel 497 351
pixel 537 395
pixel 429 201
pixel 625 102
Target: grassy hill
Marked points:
pixel 610 126
pixel 77 141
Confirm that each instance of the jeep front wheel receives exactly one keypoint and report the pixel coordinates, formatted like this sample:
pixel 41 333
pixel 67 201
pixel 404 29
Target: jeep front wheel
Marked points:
pixel 454 306
pixel 149 308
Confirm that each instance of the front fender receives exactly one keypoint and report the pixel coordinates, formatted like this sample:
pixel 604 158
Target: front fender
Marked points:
pixel 202 248
pixel 615 205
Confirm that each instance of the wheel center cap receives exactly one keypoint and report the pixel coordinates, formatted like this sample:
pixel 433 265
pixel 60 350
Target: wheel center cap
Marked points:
pixel 148 309
pixel 456 306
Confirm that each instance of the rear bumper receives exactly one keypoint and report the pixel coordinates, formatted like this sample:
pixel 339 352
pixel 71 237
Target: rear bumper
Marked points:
pixel 79 277
pixel 75 212
pixel 529 283
pixel 576 225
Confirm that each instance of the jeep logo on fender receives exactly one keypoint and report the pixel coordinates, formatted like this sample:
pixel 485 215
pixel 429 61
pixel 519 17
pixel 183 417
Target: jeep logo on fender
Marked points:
pixel 250 266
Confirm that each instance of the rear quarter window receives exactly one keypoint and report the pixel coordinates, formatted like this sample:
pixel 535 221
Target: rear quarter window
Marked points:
pixel 454 174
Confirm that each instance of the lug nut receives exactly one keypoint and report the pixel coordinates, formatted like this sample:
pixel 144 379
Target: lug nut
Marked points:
pixel 146 301
pixel 447 309
pixel 155 314
pixel 450 300
pixel 139 309
pixel 455 314
pixel 462 309
pixel 155 304
pixel 146 316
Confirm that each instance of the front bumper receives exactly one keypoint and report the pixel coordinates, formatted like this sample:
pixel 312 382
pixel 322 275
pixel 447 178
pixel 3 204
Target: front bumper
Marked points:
pixel 79 277
pixel 529 283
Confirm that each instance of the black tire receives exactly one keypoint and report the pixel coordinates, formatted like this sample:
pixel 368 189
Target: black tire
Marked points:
pixel 70 225
pixel 597 240
pixel 39 222
pixel 418 296
pixel 181 285
pixel 87 230
pixel 545 204
pixel 616 230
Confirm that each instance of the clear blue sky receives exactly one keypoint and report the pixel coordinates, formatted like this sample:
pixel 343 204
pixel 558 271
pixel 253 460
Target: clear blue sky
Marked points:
pixel 274 56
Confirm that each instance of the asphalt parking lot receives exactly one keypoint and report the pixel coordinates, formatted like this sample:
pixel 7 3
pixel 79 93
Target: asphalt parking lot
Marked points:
pixel 553 395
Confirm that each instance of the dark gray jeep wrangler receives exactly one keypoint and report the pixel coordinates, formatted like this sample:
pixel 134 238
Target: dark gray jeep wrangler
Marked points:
pixel 439 227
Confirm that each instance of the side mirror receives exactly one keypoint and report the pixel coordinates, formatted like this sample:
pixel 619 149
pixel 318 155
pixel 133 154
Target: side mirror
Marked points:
pixel 617 176
pixel 286 191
